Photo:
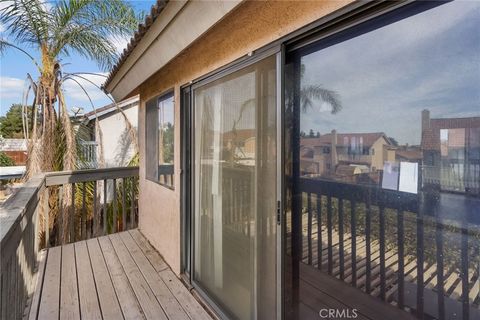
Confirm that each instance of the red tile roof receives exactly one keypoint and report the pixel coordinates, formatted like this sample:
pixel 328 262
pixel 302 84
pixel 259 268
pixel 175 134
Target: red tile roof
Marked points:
pixel 368 139
pixel 137 37
pixel 409 154
pixel 239 135
pixel 431 136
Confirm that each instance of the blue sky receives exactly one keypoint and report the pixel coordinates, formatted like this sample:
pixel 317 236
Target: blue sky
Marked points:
pixel 385 78
pixel 14 68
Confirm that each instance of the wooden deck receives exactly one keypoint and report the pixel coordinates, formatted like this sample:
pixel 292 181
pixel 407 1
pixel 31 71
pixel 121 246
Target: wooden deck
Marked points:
pixel 311 276
pixel 119 276
pixel 320 291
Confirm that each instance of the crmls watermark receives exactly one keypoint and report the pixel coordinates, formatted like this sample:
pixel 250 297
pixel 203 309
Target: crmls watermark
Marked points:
pixel 338 313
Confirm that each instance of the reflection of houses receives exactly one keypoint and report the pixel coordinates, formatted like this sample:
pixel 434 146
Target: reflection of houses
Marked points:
pixel 241 142
pixel 451 148
pixel 408 154
pixel 343 155
pixel 240 145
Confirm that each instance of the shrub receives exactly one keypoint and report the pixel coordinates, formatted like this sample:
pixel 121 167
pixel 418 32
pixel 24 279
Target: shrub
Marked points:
pixel 5 161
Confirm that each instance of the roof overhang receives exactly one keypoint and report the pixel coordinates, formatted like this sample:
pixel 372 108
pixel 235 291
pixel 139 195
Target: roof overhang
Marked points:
pixel 177 26
pixel 112 108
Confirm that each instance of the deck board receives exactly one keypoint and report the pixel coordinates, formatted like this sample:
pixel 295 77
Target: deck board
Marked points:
pixel 69 302
pixel 145 296
pixel 106 293
pixel 119 276
pixel 49 301
pixel 166 299
pixel 152 255
pixel 186 300
pixel 33 313
pixel 89 306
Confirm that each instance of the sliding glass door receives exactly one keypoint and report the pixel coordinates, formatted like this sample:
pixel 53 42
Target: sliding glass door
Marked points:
pixel 234 190
pixel 383 165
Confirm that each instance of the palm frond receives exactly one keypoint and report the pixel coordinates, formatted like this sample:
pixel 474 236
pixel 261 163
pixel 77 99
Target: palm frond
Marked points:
pixel 70 155
pixel 131 131
pixel 92 46
pixel 308 94
pixel 26 21
pixel 4 45
pixel 98 130
pixel 89 27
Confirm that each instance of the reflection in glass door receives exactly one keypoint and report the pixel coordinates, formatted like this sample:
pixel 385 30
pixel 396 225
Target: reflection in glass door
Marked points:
pixel 235 195
pixel 383 162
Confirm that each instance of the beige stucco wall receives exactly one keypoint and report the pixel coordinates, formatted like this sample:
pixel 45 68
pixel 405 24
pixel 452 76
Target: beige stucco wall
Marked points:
pixel 379 158
pixel 249 27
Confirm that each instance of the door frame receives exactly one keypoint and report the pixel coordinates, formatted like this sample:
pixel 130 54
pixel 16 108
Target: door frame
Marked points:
pixel 187 137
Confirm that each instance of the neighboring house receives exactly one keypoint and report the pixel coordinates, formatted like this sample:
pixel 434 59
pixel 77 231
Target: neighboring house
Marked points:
pixel 16 149
pixel 451 153
pixel 264 224
pixel 366 151
pixel 115 140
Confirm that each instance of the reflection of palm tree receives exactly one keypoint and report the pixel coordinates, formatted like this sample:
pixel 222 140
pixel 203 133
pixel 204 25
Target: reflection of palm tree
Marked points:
pixel 309 96
pixel 310 93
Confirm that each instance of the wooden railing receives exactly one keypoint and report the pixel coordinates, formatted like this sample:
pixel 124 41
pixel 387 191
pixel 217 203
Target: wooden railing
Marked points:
pixel 19 227
pixel 394 245
pixel 166 175
pixel 89 203
pixel 57 208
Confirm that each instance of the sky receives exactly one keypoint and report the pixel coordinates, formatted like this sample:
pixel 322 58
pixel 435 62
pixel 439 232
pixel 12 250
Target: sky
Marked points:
pixel 385 78
pixel 14 68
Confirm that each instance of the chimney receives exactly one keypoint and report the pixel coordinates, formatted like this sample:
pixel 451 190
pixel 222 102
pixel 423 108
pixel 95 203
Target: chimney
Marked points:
pixel 333 152
pixel 425 120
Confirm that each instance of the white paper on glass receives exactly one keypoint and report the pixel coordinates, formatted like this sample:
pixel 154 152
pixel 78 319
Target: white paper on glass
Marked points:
pixel 408 177
pixel 390 175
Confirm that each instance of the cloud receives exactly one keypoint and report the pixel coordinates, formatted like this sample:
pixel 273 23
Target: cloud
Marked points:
pixel 386 77
pixel 74 93
pixel 11 88
pixel 120 43
pixel 5 4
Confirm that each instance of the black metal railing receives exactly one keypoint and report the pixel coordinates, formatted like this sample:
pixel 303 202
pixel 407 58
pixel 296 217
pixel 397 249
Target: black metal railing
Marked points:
pixel 401 247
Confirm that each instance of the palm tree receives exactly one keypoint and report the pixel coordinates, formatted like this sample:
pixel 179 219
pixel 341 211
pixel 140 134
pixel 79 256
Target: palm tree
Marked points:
pixel 85 27
pixel 310 95
pixel 53 32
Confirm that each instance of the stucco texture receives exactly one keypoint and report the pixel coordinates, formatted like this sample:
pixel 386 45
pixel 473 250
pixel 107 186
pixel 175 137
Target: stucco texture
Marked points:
pixel 250 26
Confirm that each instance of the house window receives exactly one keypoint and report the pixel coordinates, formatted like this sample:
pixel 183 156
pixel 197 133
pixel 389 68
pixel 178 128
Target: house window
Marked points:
pixel 159 139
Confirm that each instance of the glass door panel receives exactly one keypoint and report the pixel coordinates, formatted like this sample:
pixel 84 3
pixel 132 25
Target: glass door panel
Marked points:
pixel 235 178
pixel 383 124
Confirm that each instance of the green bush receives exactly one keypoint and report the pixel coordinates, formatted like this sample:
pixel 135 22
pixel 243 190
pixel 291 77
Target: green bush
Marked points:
pixel 5 161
